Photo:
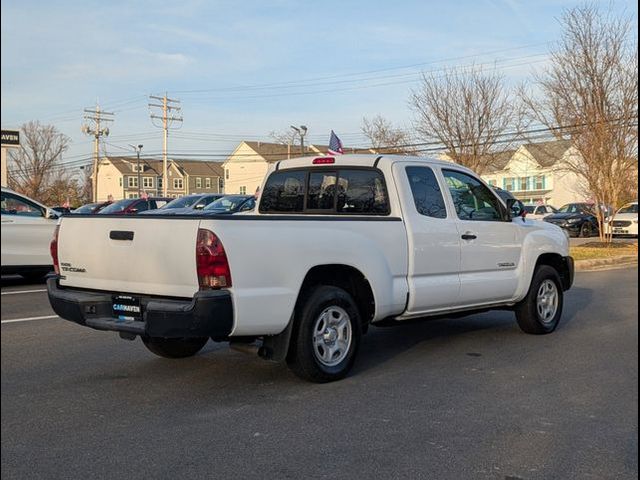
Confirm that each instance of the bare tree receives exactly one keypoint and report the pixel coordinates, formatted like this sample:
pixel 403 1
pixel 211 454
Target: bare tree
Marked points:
pixel 385 138
pixel 287 137
pixel 36 165
pixel 591 91
pixel 468 111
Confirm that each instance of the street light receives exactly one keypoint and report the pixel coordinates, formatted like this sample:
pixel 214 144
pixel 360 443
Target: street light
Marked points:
pixel 302 131
pixel 137 149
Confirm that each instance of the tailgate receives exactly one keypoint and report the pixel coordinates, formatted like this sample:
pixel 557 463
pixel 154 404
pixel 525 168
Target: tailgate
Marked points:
pixel 145 255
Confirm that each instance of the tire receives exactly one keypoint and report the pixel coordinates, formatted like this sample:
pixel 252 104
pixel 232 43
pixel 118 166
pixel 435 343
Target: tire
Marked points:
pixel 35 276
pixel 585 230
pixel 326 335
pixel 174 347
pixel 536 313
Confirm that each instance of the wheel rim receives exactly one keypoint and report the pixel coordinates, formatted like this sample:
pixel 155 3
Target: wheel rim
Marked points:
pixel 586 230
pixel 332 336
pixel 547 301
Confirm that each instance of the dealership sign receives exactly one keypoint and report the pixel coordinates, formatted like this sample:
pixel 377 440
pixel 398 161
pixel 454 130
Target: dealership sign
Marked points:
pixel 10 137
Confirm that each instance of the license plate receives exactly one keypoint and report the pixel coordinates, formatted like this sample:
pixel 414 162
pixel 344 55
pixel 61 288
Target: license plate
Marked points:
pixel 619 230
pixel 125 307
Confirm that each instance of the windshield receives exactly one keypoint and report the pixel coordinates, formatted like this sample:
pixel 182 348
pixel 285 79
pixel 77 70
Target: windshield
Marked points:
pixel 226 204
pixel 631 208
pixel 182 202
pixel 88 208
pixel 529 208
pixel 574 208
pixel 119 206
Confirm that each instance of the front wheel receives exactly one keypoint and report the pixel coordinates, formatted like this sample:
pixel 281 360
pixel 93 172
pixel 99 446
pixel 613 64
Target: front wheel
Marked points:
pixel 586 230
pixel 174 347
pixel 541 309
pixel 326 336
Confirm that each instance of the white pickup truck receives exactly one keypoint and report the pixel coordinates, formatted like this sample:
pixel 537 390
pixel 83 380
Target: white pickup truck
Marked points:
pixel 337 244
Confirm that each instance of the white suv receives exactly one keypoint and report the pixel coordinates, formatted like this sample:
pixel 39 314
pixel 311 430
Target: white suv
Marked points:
pixel 625 221
pixel 27 229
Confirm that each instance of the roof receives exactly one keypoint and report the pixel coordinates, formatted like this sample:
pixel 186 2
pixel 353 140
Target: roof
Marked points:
pixel 498 160
pixel 274 152
pixel 549 153
pixel 189 167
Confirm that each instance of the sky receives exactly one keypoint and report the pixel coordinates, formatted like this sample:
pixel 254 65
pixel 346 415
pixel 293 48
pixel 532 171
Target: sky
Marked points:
pixel 244 69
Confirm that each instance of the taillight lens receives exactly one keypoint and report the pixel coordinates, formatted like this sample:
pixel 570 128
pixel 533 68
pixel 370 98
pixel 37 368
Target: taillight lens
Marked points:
pixel 53 248
pixel 211 261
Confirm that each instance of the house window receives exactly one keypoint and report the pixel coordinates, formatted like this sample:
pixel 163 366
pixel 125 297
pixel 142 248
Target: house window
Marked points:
pixel 159 182
pixel 491 182
pixel 199 182
pixel 524 184
pixel 508 184
pixel 132 195
pixel 207 182
pixel 135 168
pixel 120 181
pixel 243 190
pixel 147 182
pixel 226 174
pixel 132 182
pixel 540 182
pixel 177 184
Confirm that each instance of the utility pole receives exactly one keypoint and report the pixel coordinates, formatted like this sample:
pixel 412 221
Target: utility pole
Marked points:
pixel 302 131
pixel 167 107
pixel 93 126
pixel 137 150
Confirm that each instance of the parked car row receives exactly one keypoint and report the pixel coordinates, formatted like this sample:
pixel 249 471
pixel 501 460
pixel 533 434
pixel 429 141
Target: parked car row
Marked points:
pixel 28 226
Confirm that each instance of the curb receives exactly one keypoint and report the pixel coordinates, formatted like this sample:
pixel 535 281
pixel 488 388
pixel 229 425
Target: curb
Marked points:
pixel 596 263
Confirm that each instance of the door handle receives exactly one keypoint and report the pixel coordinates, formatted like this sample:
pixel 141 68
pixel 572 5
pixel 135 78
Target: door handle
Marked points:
pixel 468 236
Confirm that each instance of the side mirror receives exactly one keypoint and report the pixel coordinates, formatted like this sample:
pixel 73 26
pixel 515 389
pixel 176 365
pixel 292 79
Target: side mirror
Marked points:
pixel 199 206
pixel 51 214
pixel 133 210
pixel 516 208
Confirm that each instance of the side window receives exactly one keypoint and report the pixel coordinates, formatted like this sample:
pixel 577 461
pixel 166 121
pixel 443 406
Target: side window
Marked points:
pixel 426 192
pixel 322 190
pixel 143 205
pixel 14 205
pixel 472 200
pixel 361 191
pixel 284 192
pixel 542 210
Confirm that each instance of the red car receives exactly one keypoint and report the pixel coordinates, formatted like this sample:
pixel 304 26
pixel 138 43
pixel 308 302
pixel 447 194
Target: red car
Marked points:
pixel 130 206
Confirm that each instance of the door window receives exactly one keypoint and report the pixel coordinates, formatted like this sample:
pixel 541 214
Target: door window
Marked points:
pixel 14 205
pixel 426 192
pixel 472 199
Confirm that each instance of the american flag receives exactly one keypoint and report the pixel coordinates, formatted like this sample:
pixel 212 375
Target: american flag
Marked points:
pixel 335 145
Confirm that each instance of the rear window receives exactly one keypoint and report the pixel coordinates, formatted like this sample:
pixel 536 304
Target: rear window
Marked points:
pixel 345 191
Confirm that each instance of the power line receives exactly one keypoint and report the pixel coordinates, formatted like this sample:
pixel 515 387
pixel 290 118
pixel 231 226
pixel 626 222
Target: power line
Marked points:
pixel 168 108
pixel 93 126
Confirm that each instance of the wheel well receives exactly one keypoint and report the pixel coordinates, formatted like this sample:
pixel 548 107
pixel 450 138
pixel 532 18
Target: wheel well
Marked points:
pixel 557 262
pixel 349 279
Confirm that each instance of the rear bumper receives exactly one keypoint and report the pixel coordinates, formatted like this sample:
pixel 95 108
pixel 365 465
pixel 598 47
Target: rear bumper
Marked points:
pixel 207 314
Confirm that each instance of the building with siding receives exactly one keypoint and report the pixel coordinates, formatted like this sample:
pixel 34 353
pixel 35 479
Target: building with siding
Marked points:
pixel 118 177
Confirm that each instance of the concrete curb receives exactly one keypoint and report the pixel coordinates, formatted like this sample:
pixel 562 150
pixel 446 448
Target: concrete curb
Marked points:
pixel 597 263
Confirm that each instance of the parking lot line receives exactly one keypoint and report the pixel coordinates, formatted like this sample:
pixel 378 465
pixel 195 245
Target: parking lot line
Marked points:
pixel 29 319
pixel 23 291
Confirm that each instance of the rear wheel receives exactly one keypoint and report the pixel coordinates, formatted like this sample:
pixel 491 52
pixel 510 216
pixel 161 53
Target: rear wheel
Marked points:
pixel 326 336
pixel 541 309
pixel 586 230
pixel 174 347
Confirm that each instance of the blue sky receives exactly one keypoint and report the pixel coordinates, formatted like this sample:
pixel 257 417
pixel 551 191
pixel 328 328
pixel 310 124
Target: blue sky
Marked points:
pixel 243 69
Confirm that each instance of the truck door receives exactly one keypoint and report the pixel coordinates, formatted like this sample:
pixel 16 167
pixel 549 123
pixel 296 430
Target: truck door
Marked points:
pixel 490 242
pixel 433 239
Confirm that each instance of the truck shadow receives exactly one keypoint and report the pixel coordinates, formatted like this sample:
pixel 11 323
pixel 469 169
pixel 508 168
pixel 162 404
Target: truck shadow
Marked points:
pixel 382 344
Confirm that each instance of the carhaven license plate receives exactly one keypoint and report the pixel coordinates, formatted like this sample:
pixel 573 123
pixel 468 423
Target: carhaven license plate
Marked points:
pixel 126 307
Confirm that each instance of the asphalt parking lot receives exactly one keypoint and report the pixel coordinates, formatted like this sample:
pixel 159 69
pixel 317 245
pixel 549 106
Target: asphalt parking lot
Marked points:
pixel 465 398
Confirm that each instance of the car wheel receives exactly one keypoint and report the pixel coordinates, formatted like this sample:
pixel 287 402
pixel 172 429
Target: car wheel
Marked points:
pixel 541 309
pixel 326 335
pixel 174 347
pixel 35 276
pixel 586 230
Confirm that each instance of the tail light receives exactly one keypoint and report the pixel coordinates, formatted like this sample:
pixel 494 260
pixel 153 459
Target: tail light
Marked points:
pixel 53 248
pixel 211 261
pixel 323 160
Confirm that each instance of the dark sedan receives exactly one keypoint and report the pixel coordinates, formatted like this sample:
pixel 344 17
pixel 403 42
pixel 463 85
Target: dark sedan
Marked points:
pixel 186 204
pixel 131 206
pixel 578 219
pixel 230 204
pixel 91 207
